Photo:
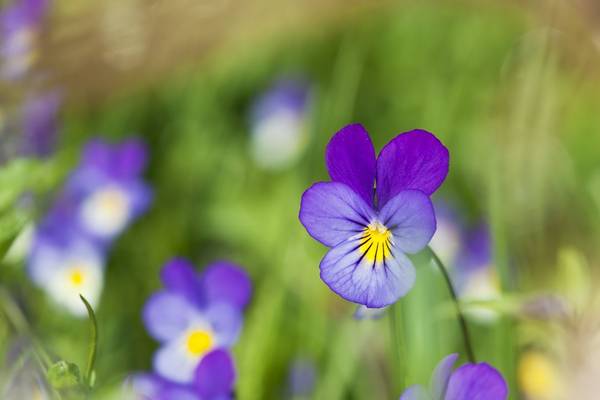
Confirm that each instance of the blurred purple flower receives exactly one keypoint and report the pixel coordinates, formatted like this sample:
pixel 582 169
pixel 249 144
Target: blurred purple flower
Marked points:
pixel 40 125
pixel 194 315
pixel 106 191
pixel 301 378
pixel 370 231
pixel 213 379
pixel 449 235
pixel 279 132
pixel 468 382
pixel 65 264
pixel 20 25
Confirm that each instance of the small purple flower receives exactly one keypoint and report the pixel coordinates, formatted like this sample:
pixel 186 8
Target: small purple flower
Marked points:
pixel 279 132
pixel 213 379
pixel 19 31
pixel 106 191
pixel 194 315
pixel 468 382
pixel 302 378
pixel 39 124
pixel 370 231
pixel 65 264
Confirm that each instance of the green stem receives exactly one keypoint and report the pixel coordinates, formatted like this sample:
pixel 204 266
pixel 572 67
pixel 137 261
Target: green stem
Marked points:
pixel 461 318
pixel 93 343
pixel 397 336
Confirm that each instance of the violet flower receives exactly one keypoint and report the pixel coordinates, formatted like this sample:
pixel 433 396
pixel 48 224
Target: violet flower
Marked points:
pixel 66 264
pixel 194 315
pixel 20 25
pixel 213 379
pixel 279 132
pixel 369 230
pixel 106 191
pixel 469 382
pixel 39 124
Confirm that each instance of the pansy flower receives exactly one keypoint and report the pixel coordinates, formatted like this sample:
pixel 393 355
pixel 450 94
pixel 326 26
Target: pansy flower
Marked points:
pixel 278 125
pixel 39 124
pixel 65 264
pixel 213 379
pixel 20 24
pixel 106 190
pixel 374 212
pixel 194 315
pixel 468 382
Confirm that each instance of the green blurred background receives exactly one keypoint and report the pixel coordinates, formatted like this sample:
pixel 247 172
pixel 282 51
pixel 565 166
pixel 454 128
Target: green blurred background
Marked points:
pixel 511 89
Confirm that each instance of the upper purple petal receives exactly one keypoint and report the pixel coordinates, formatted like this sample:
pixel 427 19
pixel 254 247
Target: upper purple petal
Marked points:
pixel 412 160
pixel 39 124
pixel 226 322
pixel 441 376
pixel 410 217
pixel 225 282
pixel 332 212
pixel 350 159
pixel 179 276
pixel 477 382
pixel 130 158
pixel 215 376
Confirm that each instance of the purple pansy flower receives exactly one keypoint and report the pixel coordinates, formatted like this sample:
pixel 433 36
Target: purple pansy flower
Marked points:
pixel 106 191
pixel 39 124
pixel 213 379
pixel 65 264
pixel 279 132
pixel 19 30
pixel 194 315
pixel 468 382
pixel 371 231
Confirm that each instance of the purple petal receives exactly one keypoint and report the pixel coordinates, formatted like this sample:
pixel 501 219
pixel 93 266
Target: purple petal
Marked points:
pixel 416 392
pixel 167 315
pixel 130 158
pixel 350 274
pixel 226 322
pixel 97 154
pixel 224 282
pixel 332 212
pixel 40 125
pixel 441 376
pixel 410 217
pixel 477 382
pixel 350 159
pixel 215 376
pixel 146 386
pixel 172 362
pixel 412 160
pixel 179 276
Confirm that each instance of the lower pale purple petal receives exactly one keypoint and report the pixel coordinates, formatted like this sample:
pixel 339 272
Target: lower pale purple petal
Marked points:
pixel 173 363
pixel 416 392
pixel 350 274
pixel 410 217
pixel 225 282
pixel 477 382
pixel 441 376
pixel 167 315
pixel 215 376
pixel 332 212
pixel 350 159
pixel 412 160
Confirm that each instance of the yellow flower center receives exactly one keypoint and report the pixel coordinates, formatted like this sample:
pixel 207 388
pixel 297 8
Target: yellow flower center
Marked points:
pixel 76 277
pixel 538 377
pixel 199 342
pixel 375 242
pixel 113 201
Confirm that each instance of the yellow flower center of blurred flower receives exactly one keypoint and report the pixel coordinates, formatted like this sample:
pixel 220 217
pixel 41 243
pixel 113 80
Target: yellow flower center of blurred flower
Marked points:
pixel 76 277
pixel 375 242
pixel 113 202
pixel 199 342
pixel 537 376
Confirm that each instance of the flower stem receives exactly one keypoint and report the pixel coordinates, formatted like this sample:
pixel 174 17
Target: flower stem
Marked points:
pixel 461 318
pixel 89 372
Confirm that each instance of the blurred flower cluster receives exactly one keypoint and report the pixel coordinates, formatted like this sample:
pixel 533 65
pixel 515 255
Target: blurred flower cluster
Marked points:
pixel 99 199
